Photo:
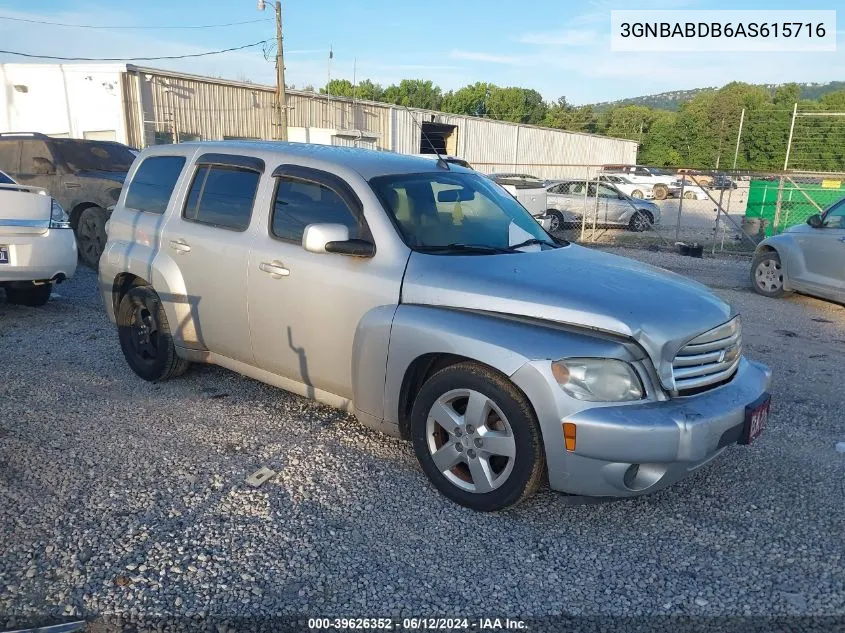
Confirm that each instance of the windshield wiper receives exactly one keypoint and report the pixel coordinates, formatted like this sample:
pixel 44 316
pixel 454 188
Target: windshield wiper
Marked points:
pixel 464 248
pixel 531 242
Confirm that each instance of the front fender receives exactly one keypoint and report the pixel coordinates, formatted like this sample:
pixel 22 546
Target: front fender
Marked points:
pixel 500 342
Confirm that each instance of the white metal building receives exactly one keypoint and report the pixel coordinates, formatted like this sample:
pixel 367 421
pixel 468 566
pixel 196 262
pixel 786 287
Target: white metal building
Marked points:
pixel 144 106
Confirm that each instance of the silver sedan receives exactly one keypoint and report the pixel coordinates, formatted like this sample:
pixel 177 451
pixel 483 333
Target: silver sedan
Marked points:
pixel 808 258
pixel 571 200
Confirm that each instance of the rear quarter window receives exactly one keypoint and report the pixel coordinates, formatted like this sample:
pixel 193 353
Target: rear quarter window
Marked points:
pixel 153 184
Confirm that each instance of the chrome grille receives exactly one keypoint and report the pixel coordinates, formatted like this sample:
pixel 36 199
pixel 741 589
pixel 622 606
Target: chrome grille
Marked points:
pixel 710 358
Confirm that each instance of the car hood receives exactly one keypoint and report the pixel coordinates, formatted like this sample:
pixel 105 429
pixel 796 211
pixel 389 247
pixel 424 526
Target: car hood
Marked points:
pixel 576 286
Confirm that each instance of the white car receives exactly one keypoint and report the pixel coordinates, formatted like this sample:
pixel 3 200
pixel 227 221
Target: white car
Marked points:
pixel 662 182
pixel 691 191
pixel 528 190
pixel 37 246
pixel 628 187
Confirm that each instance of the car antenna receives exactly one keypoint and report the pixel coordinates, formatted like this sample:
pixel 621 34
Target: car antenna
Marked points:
pixel 441 162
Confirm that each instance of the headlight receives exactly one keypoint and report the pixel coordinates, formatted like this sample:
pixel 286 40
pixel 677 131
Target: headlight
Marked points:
pixel 58 217
pixel 598 379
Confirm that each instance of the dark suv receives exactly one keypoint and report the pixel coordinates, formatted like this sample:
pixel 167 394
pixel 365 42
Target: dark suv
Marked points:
pixel 84 176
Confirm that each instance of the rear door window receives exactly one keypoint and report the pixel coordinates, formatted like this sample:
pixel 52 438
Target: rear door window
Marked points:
pixel 222 196
pixel 153 184
pixel 36 158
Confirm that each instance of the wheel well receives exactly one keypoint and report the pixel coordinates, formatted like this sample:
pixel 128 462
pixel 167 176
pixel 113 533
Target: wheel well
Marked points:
pixel 765 248
pixel 77 211
pixel 122 284
pixel 420 370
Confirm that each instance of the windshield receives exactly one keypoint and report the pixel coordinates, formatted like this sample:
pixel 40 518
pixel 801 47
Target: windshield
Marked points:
pixel 439 209
pixel 94 156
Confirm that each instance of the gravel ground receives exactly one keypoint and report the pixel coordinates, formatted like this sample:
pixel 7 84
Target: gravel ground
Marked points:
pixel 119 496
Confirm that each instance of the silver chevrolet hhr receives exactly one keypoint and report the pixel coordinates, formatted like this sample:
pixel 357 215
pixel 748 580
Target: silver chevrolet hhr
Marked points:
pixel 424 298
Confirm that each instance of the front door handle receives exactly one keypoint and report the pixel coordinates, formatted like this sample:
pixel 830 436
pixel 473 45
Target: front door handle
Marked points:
pixel 180 246
pixel 275 269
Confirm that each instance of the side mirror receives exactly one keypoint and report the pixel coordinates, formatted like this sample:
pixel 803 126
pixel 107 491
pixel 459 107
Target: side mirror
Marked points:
pixel 815 221
pixel 334 238
pixel 43 166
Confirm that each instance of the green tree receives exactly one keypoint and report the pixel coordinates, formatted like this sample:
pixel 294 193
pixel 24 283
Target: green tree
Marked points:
pixel 338 88
pixel 470 100
pixel 414 93
pixel 518 105
pixel 564 116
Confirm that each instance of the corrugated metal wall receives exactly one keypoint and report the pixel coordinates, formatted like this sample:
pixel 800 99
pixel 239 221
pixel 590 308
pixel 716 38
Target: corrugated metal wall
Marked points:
pixel 405 133
pixel 203 108
pixel 132 112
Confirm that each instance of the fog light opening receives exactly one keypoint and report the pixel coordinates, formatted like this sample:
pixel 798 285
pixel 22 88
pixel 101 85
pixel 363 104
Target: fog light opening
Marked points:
pixel 630 478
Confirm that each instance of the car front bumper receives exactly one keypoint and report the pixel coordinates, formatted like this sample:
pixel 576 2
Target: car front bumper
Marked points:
pixel 665 440
pixel 39 257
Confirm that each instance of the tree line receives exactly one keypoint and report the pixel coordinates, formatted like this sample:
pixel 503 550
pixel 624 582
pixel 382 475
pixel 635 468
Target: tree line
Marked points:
pixel 702 133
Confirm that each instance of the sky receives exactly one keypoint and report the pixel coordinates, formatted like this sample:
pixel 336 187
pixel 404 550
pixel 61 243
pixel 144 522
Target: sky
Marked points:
pixel 558 47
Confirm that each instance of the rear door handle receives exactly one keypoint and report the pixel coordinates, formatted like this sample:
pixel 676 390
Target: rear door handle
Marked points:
pixel 180 246
pixel 275 269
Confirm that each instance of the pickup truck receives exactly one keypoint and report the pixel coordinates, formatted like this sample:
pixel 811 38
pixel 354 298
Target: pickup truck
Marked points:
pixel 37 248
pixel 427 301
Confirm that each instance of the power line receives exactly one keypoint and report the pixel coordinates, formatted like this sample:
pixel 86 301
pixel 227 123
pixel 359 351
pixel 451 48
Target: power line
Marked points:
pixel 91 26
pixel 133 59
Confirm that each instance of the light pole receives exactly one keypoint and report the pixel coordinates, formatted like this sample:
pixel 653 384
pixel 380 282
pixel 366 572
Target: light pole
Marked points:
pixel 281 100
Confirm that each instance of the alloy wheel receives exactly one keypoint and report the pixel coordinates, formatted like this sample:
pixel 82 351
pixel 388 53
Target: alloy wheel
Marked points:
pixel 470 440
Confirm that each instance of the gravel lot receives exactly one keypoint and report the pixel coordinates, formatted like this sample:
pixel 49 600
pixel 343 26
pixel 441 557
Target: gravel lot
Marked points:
pixel 119 496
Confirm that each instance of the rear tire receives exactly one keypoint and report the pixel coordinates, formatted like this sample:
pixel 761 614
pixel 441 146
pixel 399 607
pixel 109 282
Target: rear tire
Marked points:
pixel 91 235
pixel 477 438
pixel 767 275
pixel 32 296
pixel 661 192
pixel 689 195
pixel 145 338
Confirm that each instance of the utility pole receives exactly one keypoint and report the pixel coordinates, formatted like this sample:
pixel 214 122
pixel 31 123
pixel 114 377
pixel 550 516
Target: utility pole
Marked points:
pixel 281 98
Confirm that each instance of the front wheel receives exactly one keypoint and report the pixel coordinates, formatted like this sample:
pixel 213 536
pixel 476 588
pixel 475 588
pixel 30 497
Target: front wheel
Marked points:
pixel 689 195
pixel 477 438
pixel 640 222
pixel 555 220
pixel 91 235
pixel 767 274
pixel 145 338
pixel 636 193
pixel 31 295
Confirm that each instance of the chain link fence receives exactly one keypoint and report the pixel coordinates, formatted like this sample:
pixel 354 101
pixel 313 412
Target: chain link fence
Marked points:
pixel 720 211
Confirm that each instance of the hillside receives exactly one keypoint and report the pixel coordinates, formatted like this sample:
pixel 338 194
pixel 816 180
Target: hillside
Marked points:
pixel 672 100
